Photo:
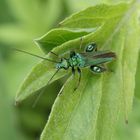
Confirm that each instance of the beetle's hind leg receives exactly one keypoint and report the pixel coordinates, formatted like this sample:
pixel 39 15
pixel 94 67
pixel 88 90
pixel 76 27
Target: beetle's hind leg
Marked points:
pixel 79 72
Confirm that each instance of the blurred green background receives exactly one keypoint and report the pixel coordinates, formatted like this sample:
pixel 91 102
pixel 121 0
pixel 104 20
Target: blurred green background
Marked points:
pixel 22 21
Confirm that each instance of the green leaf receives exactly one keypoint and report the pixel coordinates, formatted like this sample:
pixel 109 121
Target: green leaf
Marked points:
pixel 93 110
pixel 37 79
pixel 82 4
pixel 42 72
pixel 73 113
pixel 58 36
pixel 137 89
pixel 130 59
pixel 94 16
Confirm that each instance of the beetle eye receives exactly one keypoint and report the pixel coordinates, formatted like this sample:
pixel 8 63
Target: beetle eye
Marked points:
pixel 91 47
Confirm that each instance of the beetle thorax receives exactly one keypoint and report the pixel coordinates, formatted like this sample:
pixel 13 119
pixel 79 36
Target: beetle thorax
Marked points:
pixel 75 60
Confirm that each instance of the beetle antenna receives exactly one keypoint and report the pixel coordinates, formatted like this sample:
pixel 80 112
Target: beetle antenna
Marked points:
pixel 18 50
pixel 41 93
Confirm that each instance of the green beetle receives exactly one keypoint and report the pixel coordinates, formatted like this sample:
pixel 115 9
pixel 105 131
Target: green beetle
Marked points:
pixel 91 58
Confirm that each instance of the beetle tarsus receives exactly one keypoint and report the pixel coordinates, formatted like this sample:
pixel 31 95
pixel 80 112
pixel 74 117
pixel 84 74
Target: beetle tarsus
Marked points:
pixel 79 72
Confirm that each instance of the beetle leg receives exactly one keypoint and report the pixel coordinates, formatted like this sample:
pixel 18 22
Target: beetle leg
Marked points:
pixel 79 72
pixel 73 71
pixel 72 53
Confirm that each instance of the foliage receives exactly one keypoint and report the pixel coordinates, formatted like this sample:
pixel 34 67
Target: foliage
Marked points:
pixel 94 109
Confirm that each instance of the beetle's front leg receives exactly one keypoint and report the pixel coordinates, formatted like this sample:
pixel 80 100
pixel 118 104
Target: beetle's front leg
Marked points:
pixel 73 71
pixel 79 72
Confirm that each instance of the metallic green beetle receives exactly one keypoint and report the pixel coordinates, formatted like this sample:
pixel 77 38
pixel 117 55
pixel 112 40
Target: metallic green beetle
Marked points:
pixel 91 58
